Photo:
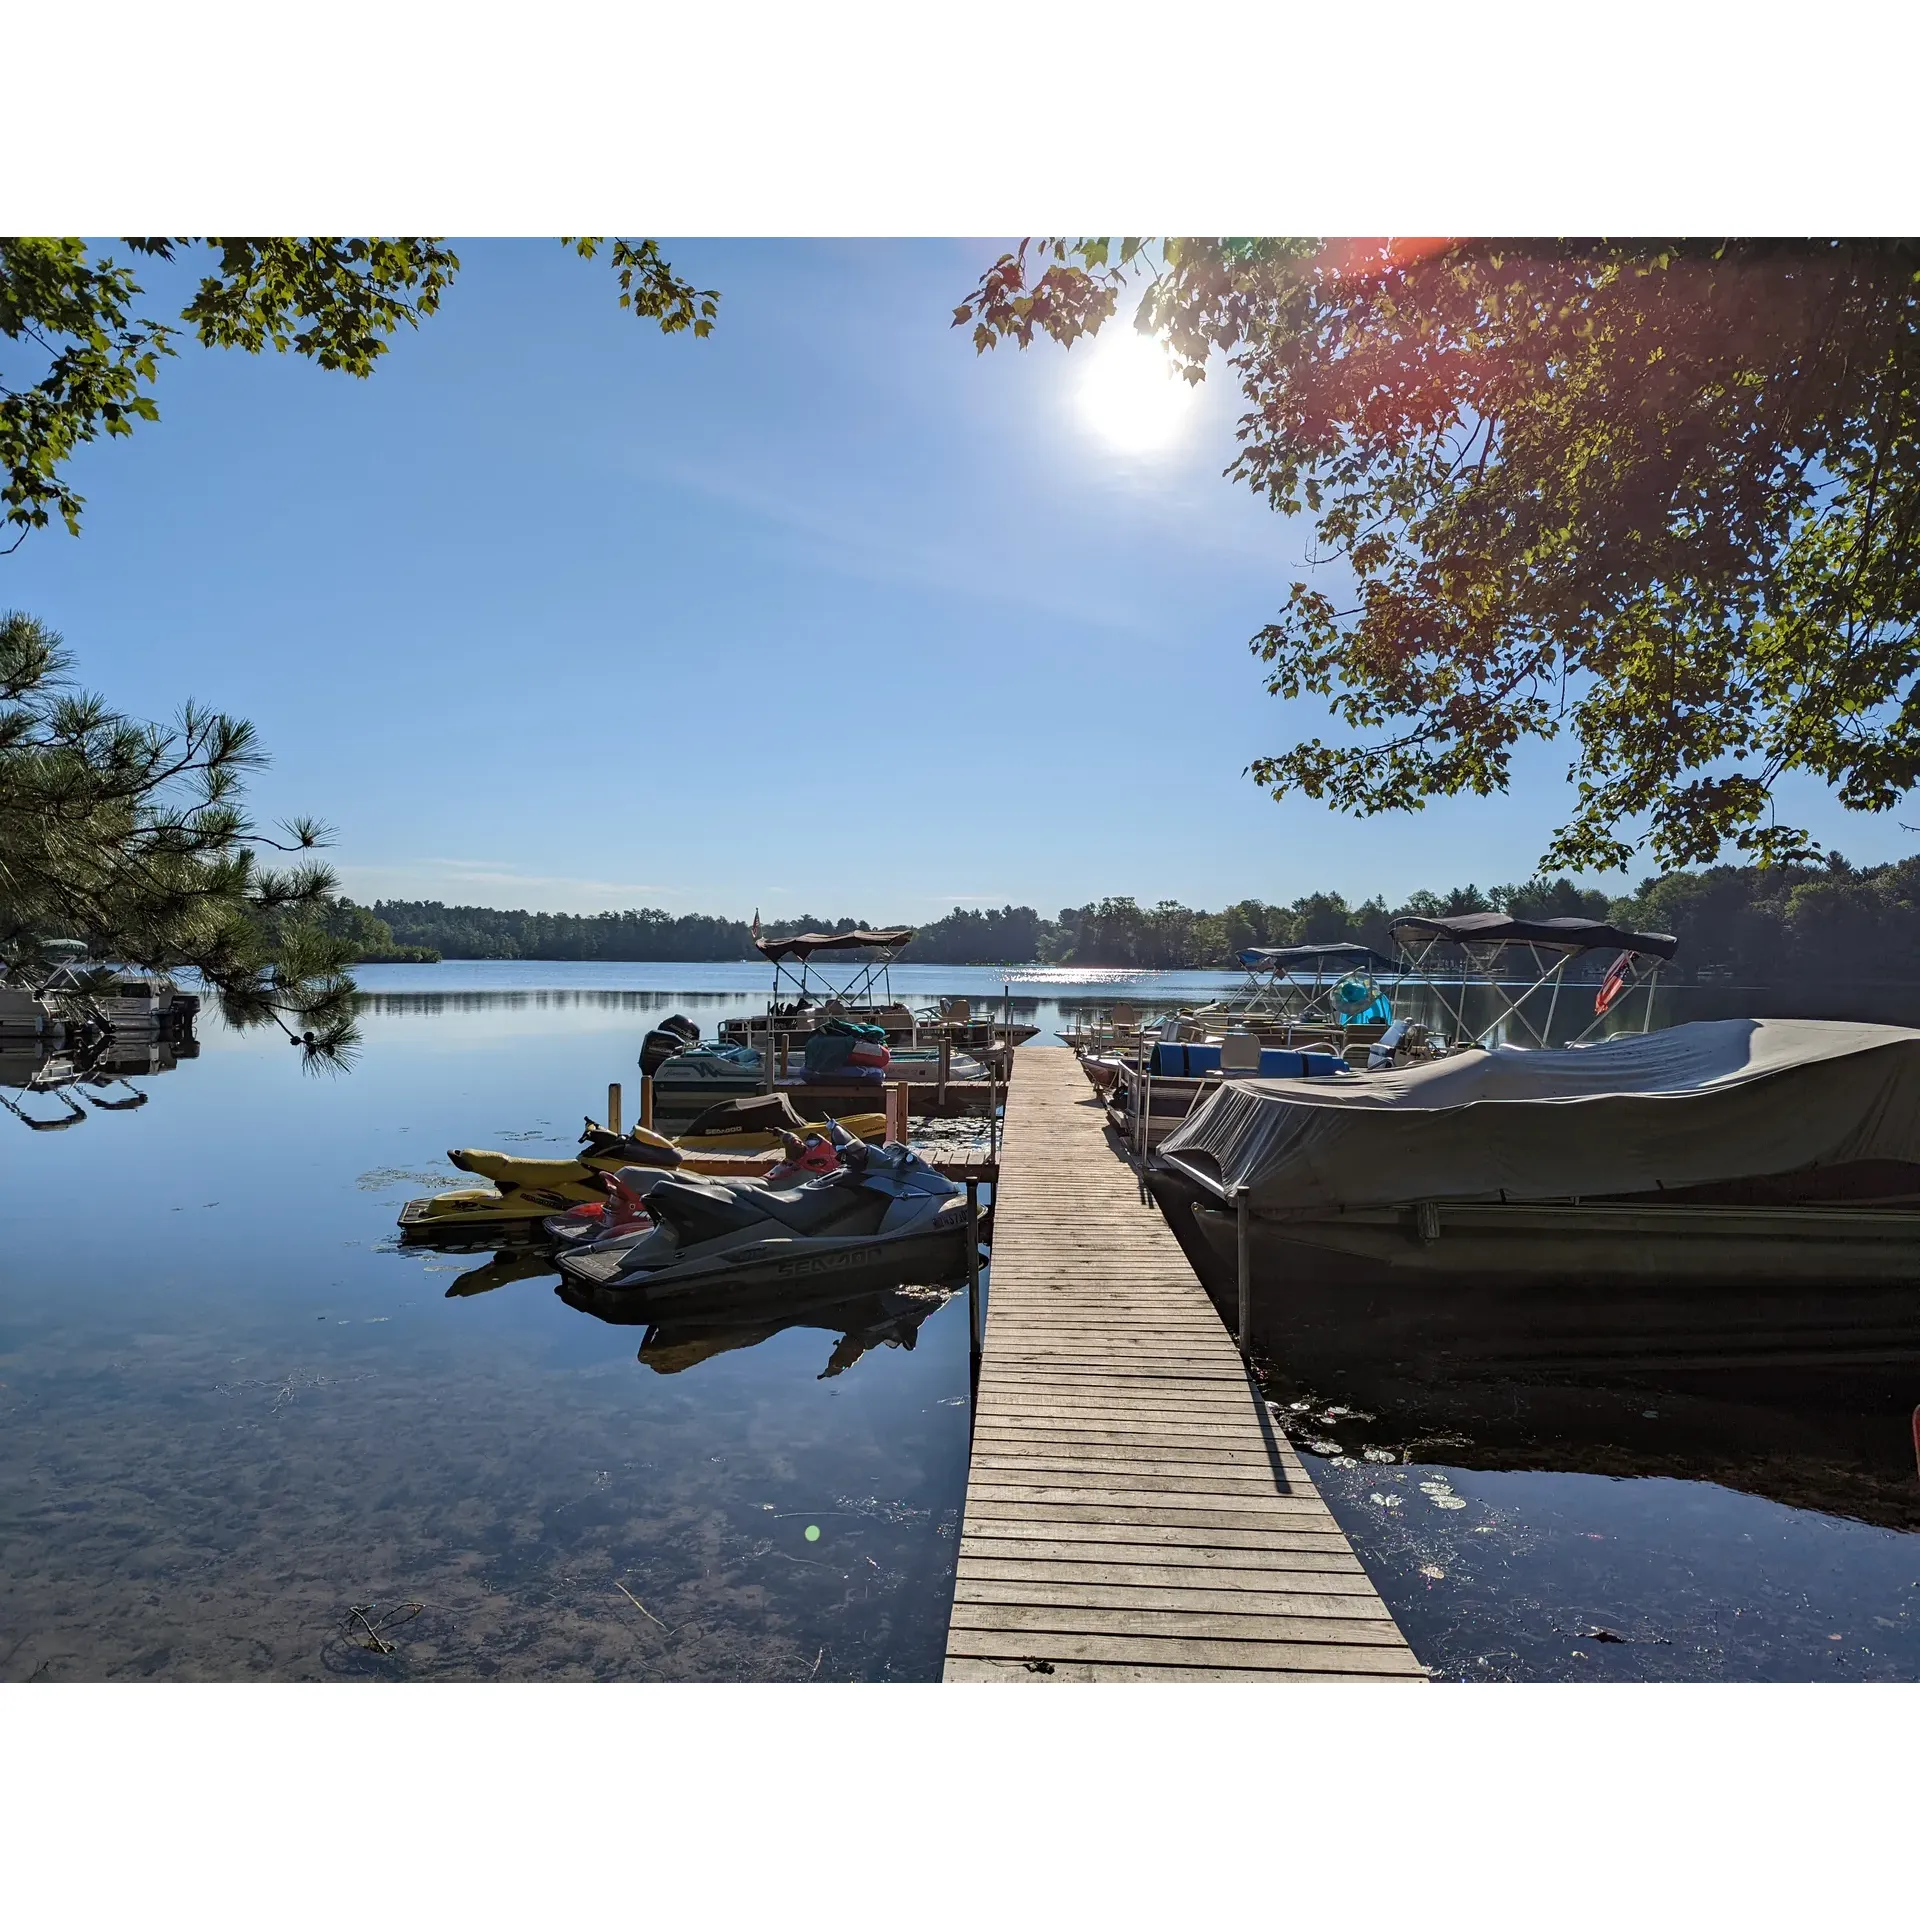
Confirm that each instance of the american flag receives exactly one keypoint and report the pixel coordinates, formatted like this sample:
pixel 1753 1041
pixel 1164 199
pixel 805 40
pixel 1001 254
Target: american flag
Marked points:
pixel 756 923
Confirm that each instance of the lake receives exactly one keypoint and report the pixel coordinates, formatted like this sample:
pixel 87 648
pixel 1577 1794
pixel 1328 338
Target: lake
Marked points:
pixel 248 1435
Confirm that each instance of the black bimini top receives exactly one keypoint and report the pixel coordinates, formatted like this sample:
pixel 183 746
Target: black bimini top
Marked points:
pixel 805 945
pixel 1502 929
pixel 1279 959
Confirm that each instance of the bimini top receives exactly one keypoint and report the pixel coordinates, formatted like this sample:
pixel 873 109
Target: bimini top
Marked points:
pixel 804 946
pixel 1502 929
pixel 1280 959
pixel 1693 1105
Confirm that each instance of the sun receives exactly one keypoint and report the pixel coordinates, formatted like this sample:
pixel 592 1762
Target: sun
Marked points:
pixel 1130 394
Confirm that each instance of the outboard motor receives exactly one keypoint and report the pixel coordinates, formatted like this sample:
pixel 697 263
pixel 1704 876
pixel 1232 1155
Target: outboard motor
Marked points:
pixel 680 1024
pixel 658 1046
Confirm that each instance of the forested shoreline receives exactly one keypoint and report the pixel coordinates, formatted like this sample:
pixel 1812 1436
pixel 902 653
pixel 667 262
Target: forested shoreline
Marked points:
pixel 1754 924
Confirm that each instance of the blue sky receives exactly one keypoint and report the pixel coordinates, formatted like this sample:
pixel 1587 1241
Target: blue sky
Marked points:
pixel 822 614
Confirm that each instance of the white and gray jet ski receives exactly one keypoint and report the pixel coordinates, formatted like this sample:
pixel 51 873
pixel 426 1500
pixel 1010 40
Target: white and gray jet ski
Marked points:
pixel 885 1215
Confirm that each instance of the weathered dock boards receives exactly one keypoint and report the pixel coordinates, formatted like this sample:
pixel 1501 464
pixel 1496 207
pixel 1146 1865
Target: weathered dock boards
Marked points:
pixel 1132 1513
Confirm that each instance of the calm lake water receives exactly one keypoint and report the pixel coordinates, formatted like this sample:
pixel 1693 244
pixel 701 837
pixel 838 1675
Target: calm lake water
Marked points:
pixel 233 1412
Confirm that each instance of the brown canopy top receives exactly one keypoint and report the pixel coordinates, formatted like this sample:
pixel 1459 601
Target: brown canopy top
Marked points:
pixel 805 945
pixel 1569 936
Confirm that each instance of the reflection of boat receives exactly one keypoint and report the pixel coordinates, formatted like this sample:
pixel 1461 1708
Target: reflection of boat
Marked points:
pixel 1837 1442
pixel 1723 1190
pixel 502 1270
pixel 85 1059
pixel 676 1341
pixel 885 1217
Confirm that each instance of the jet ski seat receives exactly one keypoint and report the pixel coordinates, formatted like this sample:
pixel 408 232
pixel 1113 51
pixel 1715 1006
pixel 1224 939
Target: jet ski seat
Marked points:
pixel 819 1208
pixel 706 1210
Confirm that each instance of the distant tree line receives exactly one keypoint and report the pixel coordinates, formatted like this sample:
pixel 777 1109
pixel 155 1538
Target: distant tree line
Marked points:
pixel 1752 924
pixel 427 927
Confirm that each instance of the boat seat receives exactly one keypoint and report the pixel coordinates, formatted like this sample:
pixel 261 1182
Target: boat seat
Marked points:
pixel 1240 1052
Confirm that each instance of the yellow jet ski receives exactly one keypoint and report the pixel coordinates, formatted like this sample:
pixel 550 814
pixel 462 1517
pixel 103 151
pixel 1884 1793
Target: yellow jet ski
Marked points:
pixel 741 1138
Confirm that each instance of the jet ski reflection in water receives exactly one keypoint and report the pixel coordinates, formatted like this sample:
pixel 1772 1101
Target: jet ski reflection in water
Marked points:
pixel 884 1216
pixel 682 1338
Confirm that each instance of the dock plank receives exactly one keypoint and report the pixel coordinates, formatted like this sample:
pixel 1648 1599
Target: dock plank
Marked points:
pixel 1132 1512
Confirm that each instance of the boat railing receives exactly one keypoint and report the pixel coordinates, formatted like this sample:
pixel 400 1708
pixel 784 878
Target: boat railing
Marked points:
pixel 1525 980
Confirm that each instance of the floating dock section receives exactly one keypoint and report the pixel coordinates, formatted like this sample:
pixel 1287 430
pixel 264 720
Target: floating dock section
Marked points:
pixel 1132 1512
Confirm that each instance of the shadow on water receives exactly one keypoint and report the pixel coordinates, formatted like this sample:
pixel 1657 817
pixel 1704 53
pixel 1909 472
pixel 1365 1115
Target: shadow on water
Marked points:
pixel 1737 1524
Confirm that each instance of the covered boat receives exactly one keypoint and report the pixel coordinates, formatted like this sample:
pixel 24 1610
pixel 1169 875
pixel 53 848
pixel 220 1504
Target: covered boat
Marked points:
pixel 1758 1178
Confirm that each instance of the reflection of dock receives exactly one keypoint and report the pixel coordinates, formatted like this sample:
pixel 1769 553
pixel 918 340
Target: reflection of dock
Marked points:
pixel 1132 1512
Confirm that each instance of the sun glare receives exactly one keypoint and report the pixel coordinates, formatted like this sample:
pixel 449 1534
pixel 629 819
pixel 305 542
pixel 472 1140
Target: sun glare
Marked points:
pixel 1130 394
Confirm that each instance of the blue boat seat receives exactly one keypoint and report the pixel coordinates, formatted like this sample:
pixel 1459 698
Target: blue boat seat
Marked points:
pixel 1192 1061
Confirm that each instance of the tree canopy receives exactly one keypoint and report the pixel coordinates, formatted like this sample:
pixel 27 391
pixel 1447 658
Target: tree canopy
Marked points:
pixel 1659 498
pixel 131 836
pixel 91 360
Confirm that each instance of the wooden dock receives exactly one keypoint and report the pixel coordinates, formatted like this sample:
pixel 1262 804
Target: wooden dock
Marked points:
pixel 1132 1512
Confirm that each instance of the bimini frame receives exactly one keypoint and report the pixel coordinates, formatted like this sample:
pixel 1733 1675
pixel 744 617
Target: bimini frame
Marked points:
pixel 1290 987
pixel 796 964
pixel 1483 949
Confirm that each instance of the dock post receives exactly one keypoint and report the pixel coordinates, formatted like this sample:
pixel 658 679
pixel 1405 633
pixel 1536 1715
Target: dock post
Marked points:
pixel 973 1298
pixel 1245 1312
pixel 646 1102
pixel 946 1062
pixel 767 1046
pixel 613 1106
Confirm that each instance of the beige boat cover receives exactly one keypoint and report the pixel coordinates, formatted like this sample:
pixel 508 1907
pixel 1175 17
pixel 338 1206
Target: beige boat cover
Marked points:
pixel 1712 1100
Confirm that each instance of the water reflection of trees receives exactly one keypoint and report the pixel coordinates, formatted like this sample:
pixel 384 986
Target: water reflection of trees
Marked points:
pixel 509 999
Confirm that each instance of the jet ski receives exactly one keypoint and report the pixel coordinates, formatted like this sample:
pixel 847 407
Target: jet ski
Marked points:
pixel 527 1191
pixel 884 1217
pixel 624 1216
